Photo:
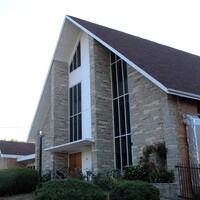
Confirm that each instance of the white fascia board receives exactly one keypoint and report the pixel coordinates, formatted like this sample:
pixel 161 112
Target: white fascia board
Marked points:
pixel 160 85
pixel 25 158
pixel 11 156
pixel 77 145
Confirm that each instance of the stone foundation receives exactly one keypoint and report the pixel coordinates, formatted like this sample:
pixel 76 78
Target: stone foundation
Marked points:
pixel 167 190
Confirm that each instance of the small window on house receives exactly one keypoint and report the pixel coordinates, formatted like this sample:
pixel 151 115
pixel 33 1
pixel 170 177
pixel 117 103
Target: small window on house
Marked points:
pixel 76 61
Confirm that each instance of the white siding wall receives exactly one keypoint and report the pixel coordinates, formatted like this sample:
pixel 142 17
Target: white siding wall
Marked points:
pixel 86 161
pixel 82 74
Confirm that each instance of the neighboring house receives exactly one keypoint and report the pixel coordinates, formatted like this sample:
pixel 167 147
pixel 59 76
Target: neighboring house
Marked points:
pixel 16 154
pixel 108 94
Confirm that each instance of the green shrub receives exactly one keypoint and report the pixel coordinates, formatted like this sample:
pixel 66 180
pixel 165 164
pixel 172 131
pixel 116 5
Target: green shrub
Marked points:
pixel 136 172
pixel 77 174
pixel 135 190
pixel 72 189
pixel 46 176
pixel 108 180
pixel 17 181
pixel 161 176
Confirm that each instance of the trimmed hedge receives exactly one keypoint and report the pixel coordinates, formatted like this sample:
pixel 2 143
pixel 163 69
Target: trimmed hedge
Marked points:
pixel 135 190
pixel 72 189
pixel 17 181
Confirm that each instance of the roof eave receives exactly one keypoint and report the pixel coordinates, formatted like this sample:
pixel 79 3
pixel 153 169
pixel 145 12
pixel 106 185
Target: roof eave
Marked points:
pixel 4 155
pixel 183 94
pixel 36 126
pixel 26 158
pixel 32 131
pixel 40 113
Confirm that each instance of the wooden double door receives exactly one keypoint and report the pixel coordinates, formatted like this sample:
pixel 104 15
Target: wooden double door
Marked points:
pixel 75 162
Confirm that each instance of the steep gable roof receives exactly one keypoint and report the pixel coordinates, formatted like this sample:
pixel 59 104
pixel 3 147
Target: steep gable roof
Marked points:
pixel 16 148
pixel 174 71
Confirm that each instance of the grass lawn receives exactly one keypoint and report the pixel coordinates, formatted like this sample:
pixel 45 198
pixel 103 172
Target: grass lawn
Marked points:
pixel 30 196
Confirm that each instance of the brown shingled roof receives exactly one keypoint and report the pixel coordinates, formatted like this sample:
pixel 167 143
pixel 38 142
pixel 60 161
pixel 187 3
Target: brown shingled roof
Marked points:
pixel 174 69
pixel 16 148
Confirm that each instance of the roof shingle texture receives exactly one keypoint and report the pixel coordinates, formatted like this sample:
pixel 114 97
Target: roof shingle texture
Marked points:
pixel 17 148
pixel 175 69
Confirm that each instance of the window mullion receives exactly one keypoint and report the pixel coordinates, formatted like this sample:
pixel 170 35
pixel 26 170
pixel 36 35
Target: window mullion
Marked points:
pixel 121 92
pixel 126 130
pixel 77 112
pixel 121 154
pixel 124 107
pixel 76 60
pixel 122 77
pixel 116 73
pixel 73 113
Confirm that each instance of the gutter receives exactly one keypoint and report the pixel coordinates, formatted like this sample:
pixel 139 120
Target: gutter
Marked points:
pixel 183 94
pixel 26 158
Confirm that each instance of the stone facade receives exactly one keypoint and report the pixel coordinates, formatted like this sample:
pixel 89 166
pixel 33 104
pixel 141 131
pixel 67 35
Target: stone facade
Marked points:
pixel 152 117
pixel 55 125
pixel 167 190
pixel 101 101
pixel 155 115
pixel 59 103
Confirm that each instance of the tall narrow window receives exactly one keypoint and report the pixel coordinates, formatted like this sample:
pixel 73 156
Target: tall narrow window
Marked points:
pixel 76 61
pixel 121 112
pixel 75 113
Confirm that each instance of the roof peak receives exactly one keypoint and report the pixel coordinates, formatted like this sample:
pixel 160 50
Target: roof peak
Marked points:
pixel 169 68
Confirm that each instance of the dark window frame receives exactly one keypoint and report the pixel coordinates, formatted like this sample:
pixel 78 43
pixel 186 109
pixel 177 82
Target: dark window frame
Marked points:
pixel 76 60
pixel 75 114
pixel 121 112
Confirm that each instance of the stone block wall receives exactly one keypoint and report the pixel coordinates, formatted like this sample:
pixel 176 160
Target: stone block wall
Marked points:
pixel 152 115
pixel 167 190
pixel 59 102
pixel 101 107
pixel 55 125
pixel 158 116
pixel 155 115
pixel 59 111
pixel 47 157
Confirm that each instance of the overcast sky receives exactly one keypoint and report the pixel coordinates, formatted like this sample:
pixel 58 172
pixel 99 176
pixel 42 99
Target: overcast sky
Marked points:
pixel 29 30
